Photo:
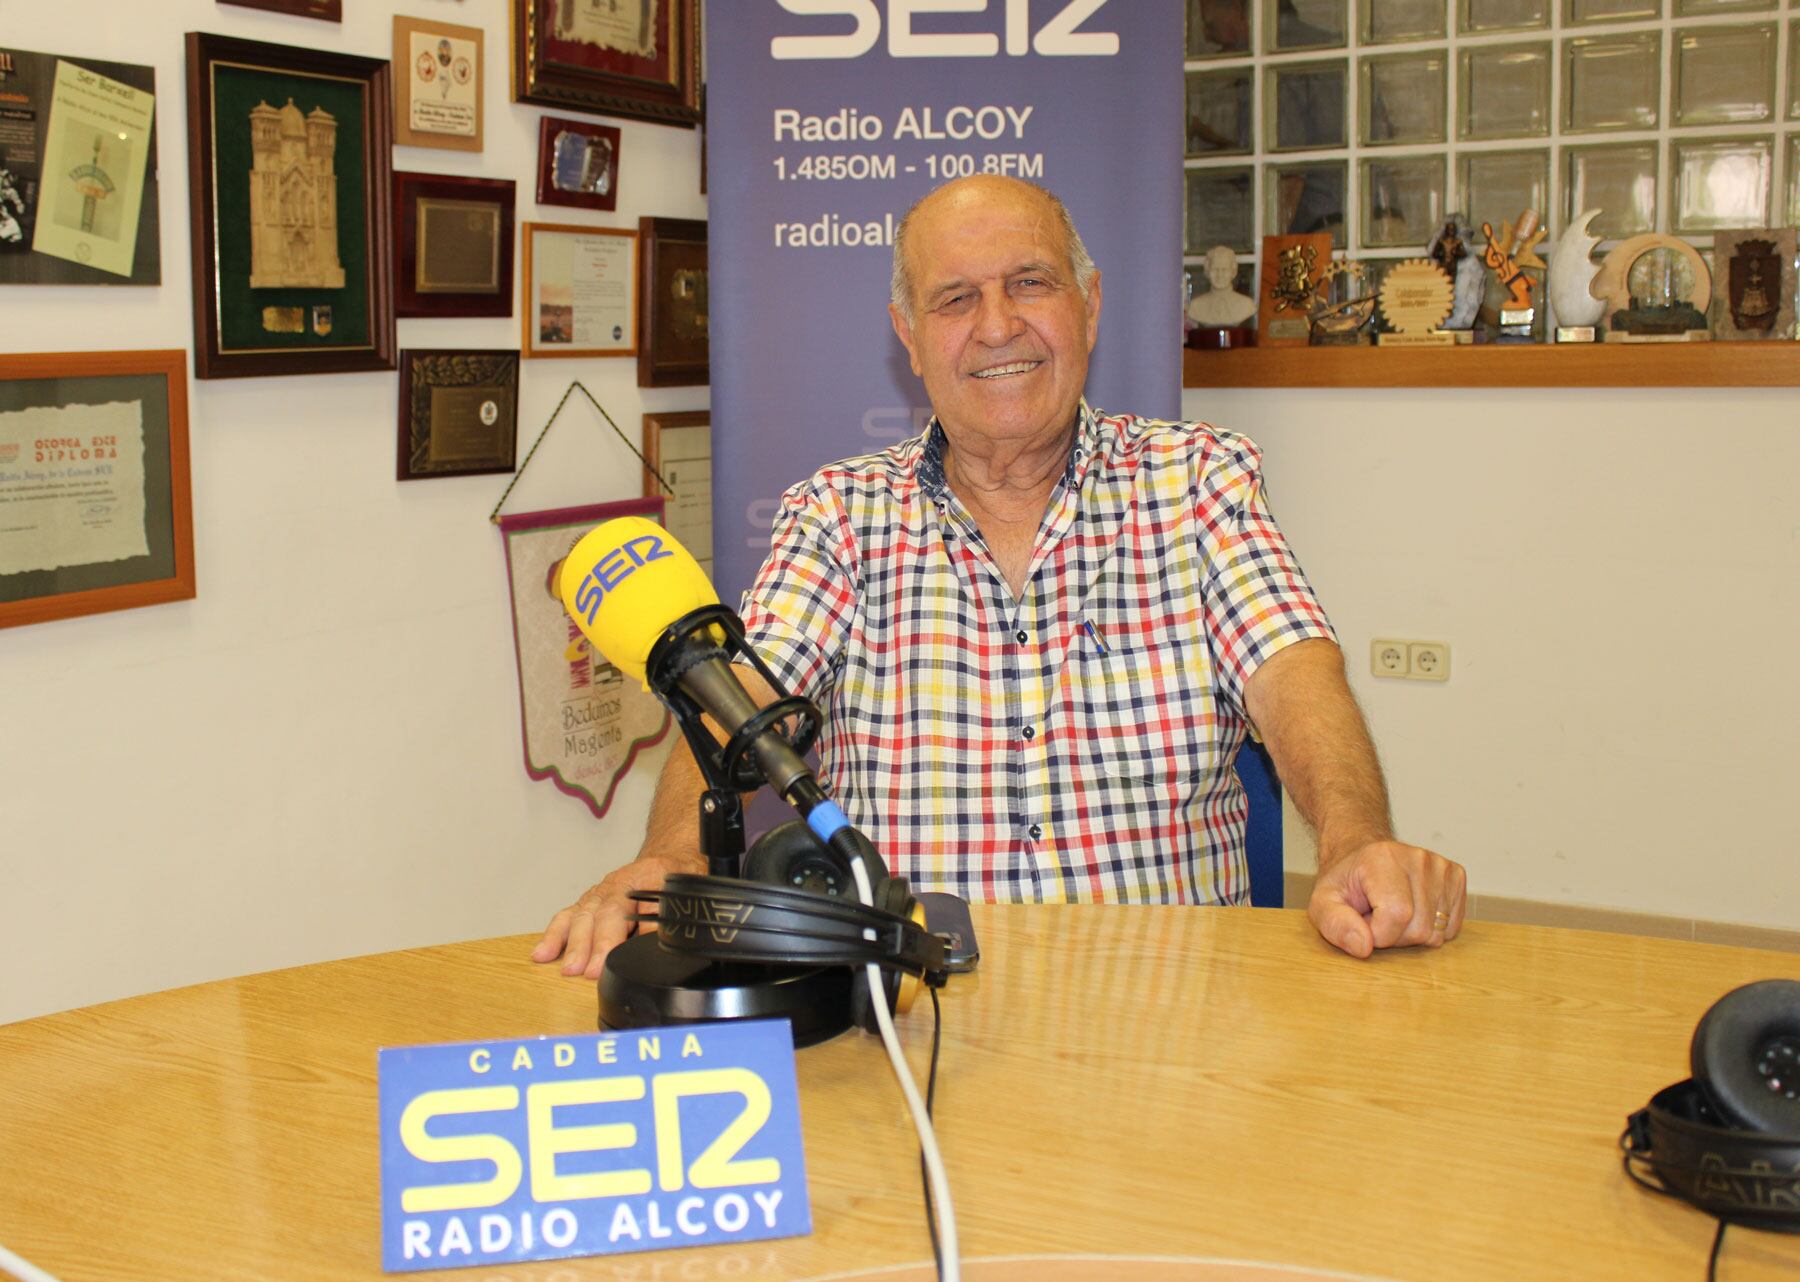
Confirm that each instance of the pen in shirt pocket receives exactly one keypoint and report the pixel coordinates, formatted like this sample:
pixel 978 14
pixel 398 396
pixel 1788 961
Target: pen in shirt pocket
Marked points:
pixel 1087 626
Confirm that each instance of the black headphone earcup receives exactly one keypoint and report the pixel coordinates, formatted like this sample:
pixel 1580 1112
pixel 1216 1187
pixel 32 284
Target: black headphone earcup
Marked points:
pixel 790 854
pixel 1745 1057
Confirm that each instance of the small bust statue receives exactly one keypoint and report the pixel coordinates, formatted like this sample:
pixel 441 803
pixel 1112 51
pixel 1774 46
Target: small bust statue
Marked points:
pixel 1221 305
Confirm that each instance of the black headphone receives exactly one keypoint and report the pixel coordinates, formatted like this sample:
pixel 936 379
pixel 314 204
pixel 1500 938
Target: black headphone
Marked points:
pixel 796 906
pixel 1727 1140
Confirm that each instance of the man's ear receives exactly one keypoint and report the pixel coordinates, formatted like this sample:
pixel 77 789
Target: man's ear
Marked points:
pixel 904 333
pixel 1093 311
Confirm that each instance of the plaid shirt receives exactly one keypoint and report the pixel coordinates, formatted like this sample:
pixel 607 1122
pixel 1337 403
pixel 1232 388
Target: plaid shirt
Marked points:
pixel 1074 744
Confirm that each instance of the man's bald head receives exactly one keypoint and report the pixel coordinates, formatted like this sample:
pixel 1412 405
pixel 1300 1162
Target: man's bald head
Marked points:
pixel 976 189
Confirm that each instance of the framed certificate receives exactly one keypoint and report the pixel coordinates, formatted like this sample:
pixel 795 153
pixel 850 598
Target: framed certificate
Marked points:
pixel 678 451
pixel 78 191
pixel 673 303
pixel 289 180
pixel 453 245
pixel 580 290
pixel 578 164
pixel 95 497
pixel 438 87
pixel 459 413
pixel 633 58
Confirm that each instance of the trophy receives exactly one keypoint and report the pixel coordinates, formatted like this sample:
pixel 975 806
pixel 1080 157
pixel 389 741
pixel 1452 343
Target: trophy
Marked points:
pixel 1518 272
pixel 1293 269
pixel 1343 306
pixel 1657 289
pixel 1572 275
pixel 1451 250
pixel 1756 274
pixel 1415 298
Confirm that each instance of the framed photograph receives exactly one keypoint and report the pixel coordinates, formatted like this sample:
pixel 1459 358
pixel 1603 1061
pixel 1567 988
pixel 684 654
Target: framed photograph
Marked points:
pixel 459 413
pixel 672 302
pixel 96 505
pixel 634 58
pixel 437 99
pixel 453 245
pixel 580 290
pixel 578 164
pixel 289 180
pixel 78 194
pixel 678 449
pixel 324 10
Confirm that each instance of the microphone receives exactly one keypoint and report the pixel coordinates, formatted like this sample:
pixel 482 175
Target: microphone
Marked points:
pixel 630 587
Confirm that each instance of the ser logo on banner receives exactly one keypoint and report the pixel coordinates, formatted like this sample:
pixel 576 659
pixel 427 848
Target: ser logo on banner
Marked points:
pixel 1057 37
pixel 497 1152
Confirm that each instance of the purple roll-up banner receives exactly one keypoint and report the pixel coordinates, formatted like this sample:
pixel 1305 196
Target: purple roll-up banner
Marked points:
pixel 826 120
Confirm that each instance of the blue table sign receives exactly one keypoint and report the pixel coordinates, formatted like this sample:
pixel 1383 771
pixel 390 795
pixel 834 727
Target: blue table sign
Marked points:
pixel 591 1144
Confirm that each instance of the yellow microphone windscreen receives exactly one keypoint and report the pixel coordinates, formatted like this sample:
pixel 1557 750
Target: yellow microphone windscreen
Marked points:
pixel 625 582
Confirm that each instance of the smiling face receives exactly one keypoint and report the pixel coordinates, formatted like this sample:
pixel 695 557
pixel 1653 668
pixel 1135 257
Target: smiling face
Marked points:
pixel 1000 331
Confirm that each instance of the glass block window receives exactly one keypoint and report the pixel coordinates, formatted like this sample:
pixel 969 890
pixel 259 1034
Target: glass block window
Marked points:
pixel 1376 120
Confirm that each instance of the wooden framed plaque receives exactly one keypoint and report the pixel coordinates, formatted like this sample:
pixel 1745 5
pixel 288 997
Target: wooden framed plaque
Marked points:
pixel 440 75
pixel 324 10
pixel 289 180
pixel 459 413
pixel 678 450
pixel 634 58
pixel 580 290
pixel 95 498
pixel 673 303
pixel 578 164
pixel 453 245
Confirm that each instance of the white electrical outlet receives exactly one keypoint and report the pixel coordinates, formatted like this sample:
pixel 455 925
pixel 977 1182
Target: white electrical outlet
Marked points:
pixel 1388 658
pixel 1428 661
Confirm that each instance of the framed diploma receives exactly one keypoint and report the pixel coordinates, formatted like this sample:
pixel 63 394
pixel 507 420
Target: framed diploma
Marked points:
pixel 672 302
pixel 453 245
pixel 437 94
pixel 78 194
pixel 459 413
pixel 289 180
pixel 633 58
pixel 324 10
pixel 578 164
pixel 678 449
pixel 95 497
pixel 580 290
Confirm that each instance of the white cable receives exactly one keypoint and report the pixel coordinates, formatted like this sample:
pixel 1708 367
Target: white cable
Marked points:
pixel 934 1164
pixel 22 1269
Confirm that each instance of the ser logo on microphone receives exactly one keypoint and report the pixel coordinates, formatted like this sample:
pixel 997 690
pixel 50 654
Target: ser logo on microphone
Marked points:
pixel 613 569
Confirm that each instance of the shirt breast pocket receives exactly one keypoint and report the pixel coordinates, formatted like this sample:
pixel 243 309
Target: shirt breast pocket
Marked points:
pixel 1146 713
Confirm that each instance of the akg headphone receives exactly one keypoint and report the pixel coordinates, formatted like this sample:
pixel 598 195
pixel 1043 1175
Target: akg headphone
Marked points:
pixel 796 906
pixel 1727 1140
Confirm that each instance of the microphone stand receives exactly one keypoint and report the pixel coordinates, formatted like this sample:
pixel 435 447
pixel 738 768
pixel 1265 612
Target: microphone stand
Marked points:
pixel 729 770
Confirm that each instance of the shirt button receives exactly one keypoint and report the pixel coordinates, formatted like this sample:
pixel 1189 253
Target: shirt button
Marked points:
pixel 1035 831
pixel 1023 636
pixel 1030 733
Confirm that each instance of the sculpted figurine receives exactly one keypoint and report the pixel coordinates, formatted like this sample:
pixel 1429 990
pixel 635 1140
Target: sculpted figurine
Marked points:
pixel 1450 250
pixel 1571 274
pixel 1222 304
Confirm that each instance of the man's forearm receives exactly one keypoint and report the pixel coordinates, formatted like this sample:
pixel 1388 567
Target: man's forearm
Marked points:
pixel 1303 708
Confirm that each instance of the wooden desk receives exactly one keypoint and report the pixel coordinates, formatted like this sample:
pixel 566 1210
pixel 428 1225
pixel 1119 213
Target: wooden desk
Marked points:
pixel 1140 1081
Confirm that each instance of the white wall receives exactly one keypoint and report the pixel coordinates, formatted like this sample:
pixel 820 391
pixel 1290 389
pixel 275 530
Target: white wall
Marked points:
pixel 320 756
pixel 1617 573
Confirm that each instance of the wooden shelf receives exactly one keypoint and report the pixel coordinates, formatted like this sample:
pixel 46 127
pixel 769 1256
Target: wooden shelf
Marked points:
pixel 1766 364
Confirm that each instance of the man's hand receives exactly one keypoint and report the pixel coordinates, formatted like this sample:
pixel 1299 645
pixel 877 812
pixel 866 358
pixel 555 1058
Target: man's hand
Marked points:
pixel 591 927
pixel 1388 895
